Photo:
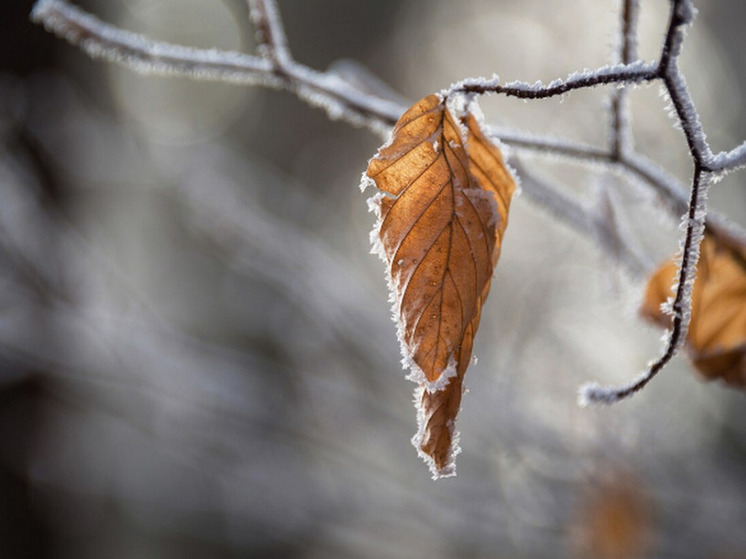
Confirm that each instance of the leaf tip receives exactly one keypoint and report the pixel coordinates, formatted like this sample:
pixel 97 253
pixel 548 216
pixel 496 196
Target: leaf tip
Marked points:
pixel 440 465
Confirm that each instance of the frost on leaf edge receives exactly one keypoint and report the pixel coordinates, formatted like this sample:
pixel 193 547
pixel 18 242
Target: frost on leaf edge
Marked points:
pixel 416 374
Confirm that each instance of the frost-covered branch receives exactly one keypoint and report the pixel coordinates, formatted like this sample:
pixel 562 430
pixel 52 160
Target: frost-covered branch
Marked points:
pixel 669 190
pixel 682 14
pixel 327 90
pixel 101 40
pixel 680 308
pixel 635 72
pixel 341 98
pixel 621 137
pixel 270 34
pixel 344 99
pixel 731 160
pixel 593 224
pixel 693 223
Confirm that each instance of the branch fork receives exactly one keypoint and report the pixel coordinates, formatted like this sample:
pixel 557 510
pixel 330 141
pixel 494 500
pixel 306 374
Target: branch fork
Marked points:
pixel 275 67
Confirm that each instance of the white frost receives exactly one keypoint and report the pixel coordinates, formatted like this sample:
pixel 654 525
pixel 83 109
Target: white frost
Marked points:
pixel 374 207
pixel 101 40
pixel 417 375
pixel 487 83
pixel 365 182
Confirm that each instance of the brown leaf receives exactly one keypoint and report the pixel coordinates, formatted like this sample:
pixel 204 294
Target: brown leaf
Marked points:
pixel 717 332
pixel 614 521
pixel 443 209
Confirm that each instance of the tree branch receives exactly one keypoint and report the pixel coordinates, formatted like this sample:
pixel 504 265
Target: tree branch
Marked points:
pixel 270 33
pixel 592 393
pixel 342 100
pixel 621 136
pixel 323 90
pixel 581 218
pixel 682 13
pixel 669 190
pixel 635 72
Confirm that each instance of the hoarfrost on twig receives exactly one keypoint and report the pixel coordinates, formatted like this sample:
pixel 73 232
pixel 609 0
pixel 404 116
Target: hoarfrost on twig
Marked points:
pixel 342 99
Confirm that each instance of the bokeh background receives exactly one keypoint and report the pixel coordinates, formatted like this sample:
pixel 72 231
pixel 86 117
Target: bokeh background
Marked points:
pixel 196 353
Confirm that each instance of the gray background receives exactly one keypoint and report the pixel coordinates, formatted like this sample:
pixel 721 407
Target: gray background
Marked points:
pixel 212 371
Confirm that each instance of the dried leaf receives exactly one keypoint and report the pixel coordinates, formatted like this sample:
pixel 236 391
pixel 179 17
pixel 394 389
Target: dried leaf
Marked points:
pixel 614 521
pixel 717 332
pixel 443 209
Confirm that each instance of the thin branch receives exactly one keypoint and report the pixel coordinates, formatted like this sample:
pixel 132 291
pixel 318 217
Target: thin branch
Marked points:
pixel 670 191
pixel 630 16
pixel 731 160
pixel 101 40
pixel 270 34
pixel 635 72
pixel 342 100
pixel 550 145
pixel 581 218
pixel 324 90
pixel 337 96
pixel 592 393
pixel 621 135
pixel 672 194
pixel 682 14
pixel 668 188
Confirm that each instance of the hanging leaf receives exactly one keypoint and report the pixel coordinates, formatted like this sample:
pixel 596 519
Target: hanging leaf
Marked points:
pixel 717 332
pixel 442 209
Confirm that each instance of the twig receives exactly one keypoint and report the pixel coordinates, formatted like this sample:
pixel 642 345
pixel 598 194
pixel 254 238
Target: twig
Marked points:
pixel 271 40
pixel 592 393
pixel 324 90
pixel 580 217
pixel 730 160
pixel 636 72
pixel 341 100
pixel 101 40
pixel 621 137
pixel 682 14
pixel 328 90
pixel 337 96
pixel 635 165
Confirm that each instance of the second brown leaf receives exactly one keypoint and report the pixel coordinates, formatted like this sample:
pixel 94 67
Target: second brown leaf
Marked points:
pixel 717 333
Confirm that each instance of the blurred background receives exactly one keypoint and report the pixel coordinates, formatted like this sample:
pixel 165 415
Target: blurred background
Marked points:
pixel 196 353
